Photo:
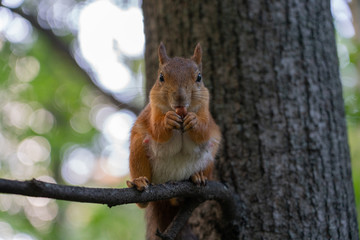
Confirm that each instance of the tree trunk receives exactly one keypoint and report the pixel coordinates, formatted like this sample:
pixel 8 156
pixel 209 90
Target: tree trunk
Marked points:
pixel 272 71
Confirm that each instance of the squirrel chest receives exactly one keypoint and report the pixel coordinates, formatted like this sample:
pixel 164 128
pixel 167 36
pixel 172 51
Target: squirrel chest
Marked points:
pixel 178 158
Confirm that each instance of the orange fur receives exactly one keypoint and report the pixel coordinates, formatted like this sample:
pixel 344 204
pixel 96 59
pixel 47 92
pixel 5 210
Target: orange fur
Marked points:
pixel 160 136
pixel 208 171
pixel 139 162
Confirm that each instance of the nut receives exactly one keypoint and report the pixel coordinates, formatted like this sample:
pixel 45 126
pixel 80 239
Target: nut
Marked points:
pixel 181 111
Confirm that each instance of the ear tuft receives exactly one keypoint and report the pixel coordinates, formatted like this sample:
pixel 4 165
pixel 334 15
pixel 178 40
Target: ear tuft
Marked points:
pixel 163 57
pixel 197 54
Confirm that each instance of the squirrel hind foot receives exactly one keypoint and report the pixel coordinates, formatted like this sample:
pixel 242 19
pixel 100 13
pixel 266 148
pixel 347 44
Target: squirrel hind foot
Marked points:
pixel 140 183
pixel 199 178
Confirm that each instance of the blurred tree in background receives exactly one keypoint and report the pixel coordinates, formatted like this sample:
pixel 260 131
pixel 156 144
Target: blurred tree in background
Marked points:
pixel 63 117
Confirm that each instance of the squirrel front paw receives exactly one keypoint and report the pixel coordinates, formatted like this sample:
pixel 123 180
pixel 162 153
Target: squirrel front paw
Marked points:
pixel 172 120
pixel 140 183
pixel 190 121
pixel 199 178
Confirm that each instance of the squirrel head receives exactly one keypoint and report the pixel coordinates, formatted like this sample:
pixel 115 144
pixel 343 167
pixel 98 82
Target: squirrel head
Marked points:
pixel 179 83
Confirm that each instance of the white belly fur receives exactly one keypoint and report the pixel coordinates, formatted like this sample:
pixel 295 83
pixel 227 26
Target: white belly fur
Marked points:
pixel 178 158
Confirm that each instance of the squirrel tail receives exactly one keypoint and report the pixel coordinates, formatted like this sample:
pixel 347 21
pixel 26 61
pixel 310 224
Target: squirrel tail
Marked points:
pixel 159 215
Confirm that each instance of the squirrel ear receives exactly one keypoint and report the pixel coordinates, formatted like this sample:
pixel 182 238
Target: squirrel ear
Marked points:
pixel 163 57
pixel 197 54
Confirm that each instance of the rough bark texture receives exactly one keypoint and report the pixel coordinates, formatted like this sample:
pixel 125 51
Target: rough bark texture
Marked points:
pixel 272 70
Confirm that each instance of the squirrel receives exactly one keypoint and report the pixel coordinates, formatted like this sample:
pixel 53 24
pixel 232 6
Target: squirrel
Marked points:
pixel 175 137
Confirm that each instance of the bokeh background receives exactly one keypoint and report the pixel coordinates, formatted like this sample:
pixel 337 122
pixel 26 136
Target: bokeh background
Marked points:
pixel 71 85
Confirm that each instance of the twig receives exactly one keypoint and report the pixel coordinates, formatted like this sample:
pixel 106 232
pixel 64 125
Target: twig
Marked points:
pixel 113 197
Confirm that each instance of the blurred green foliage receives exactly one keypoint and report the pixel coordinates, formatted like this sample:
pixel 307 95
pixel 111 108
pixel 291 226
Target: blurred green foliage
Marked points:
pixel 62 91
pixel 354 136
pixel 349 59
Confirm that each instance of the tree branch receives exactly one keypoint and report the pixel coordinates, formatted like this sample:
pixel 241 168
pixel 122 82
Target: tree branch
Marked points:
pixel 194 195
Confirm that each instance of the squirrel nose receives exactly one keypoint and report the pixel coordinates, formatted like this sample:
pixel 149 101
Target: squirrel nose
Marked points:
pixel 180 97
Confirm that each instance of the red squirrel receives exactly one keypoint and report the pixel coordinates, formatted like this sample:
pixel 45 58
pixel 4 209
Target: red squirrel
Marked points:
pixel 175 137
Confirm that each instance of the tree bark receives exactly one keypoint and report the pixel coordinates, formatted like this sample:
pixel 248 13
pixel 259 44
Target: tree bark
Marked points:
pixel 272 71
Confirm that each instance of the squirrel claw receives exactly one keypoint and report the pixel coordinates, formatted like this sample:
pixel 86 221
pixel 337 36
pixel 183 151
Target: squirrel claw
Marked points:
pixel 172 120
pixel 140 183
pixel 199 178
pixel 190 121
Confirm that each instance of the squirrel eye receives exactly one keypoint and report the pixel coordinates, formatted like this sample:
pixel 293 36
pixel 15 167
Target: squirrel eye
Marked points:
pixel 198 79
pixel 161 78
